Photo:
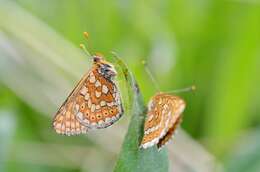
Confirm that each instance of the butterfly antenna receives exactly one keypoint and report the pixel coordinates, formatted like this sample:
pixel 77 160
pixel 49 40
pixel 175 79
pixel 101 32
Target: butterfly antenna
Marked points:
pixel 148 71
pixel 83 47
pixel 187 89
pixel 114 54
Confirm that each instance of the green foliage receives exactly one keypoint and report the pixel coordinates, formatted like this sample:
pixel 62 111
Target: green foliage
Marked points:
pixel 234 84
pixel 131 158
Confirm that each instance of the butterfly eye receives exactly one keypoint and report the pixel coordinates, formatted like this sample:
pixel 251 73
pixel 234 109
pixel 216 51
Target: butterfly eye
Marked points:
pixel 104 70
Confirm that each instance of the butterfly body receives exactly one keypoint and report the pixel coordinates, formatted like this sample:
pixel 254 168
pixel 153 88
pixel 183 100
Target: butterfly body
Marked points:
pixel 94 103
pixel 163 116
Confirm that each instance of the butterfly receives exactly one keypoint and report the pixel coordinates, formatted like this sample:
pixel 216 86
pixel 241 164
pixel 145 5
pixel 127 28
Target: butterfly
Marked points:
pixel 95 102
pixel 163 117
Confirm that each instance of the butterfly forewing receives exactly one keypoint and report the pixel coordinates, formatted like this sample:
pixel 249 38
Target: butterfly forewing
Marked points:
pixel 94 103
pixel 65 121
pixel 164 114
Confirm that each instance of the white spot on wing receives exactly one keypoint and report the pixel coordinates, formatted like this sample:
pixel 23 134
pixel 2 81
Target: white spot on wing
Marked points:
pixel 98 94
pixel 93 124
pixel 80 115
pixel 86 121
pixel 83 91
pixel 103 103
pixel 110 104
pixel 77 107
pixel 87 96
pixel 63 127
pixel 97 84
pixel 100 122
pixel 93 107
pixel 114 118
pixel 92 78
pixel 89 103
pixel 97 106
pixel 107 120
pixel 104 89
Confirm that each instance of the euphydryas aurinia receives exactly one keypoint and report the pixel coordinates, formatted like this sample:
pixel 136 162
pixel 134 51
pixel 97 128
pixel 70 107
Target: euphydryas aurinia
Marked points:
pixel 93 104
pixel 163 116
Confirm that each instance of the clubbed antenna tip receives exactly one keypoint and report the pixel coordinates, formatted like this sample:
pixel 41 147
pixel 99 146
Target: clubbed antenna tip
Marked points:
pixel 193 88
pixel 187 89
pixel 86 35
pixel 143 62
pixel 83 47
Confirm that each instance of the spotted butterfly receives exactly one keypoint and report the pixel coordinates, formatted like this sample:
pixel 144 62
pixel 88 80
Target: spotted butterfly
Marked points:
pixel 94 103
pixel 163 116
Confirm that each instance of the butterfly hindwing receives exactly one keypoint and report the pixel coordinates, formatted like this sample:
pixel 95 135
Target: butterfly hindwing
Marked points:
pixel 164 114
pixel 94 103
pixel 177 105
pixel 165 139
pixel 101 100
pixel 65 121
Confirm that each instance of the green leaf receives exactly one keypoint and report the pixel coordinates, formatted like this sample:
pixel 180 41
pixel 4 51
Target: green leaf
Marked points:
pixel 131 158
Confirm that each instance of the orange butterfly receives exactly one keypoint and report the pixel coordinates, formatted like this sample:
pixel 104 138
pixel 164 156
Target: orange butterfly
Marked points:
pixel 163 116
pixel 93 104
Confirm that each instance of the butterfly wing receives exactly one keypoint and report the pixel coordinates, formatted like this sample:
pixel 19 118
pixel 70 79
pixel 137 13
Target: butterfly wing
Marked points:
pixel 154 125
pixel 94 103
pixel 98 104
pixel 165 139
pixel 163 114
pixel 65 121
pixel 175 107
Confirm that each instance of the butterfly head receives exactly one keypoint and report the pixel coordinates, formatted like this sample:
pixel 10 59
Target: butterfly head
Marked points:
pixel 104 68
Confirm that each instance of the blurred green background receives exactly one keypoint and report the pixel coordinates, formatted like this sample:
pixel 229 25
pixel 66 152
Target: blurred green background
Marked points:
pixel 212 44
